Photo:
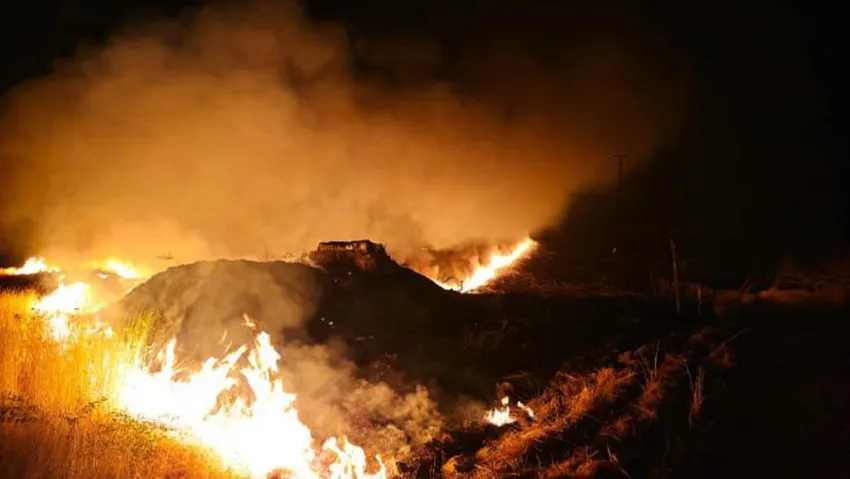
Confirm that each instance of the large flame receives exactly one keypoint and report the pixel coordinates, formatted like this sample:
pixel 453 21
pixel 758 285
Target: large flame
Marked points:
pixel 66 302
pixel 256 437
pixel 31 266
pixel 485 273
pixel 110 266
pixel 234 406
pixel 117 267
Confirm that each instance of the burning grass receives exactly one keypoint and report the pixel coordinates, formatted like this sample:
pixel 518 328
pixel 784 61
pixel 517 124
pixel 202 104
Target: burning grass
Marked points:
pixel 89 376
pixel 55 412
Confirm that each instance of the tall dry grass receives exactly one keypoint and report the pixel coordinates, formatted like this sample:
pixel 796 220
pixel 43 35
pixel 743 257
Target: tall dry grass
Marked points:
pixel 58 417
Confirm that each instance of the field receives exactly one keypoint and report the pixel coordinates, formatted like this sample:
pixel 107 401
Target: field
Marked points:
pixel 617 386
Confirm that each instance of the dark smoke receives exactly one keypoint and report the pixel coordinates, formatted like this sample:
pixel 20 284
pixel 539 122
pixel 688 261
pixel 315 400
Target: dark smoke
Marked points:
pixel 244 131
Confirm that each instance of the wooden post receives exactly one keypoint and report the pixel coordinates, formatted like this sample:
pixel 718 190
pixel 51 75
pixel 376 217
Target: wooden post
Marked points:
pixel 677 289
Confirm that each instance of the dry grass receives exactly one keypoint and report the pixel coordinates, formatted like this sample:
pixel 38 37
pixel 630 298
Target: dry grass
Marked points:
pixel 658 377
pixel 697 384
pixel 56 414
pixel 561 407
pixel 639 417
pixel 97 446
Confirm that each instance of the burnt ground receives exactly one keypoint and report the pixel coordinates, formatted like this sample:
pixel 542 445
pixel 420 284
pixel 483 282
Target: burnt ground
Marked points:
pixel 613 379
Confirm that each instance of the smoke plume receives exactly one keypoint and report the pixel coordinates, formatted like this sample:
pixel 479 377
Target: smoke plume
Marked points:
pixel 245 131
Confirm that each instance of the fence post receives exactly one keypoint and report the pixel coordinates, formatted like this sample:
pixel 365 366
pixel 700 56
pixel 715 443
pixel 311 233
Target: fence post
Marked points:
pixel 677 289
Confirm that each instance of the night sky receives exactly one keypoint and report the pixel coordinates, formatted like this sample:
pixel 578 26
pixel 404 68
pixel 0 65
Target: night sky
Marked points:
pixel 764 159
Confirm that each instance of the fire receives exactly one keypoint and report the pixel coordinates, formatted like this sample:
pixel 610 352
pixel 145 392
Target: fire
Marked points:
pixel 31 266
pixel 66 301
pixel 110 266
pixel 256 438
pixel 502 415
pixel 120 268
pixel 483 274
pixel 235 406
pixel 351 461
pixel 74 298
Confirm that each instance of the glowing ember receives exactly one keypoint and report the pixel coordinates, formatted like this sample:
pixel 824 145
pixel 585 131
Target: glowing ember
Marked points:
pixel 31 266
pixel 485 273
pixel 502 415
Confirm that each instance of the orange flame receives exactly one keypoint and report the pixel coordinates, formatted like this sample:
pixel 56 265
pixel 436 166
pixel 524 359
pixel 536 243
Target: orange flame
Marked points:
pixel 66 301
pixel 500 416
pixel 120 268
pixel 484 274
pixel 31 266
pixel 256 438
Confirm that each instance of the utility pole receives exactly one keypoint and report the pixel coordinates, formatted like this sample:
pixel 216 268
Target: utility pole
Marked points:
pixel 619 207
pixel 620 159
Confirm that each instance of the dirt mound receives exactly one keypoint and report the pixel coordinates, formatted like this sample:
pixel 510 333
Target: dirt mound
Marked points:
pixel 203 304
pixel 353 291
